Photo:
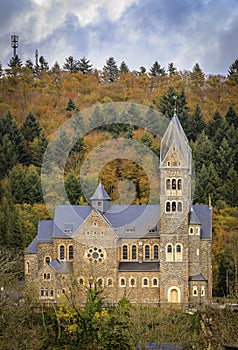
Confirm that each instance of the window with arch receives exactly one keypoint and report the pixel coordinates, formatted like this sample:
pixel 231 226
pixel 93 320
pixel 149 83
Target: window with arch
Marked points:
pixel 46 276
pixel 132 282
pixel 156 252
pixel 167 184
pixel 134 252
pixel 155 282
pixel 28 270
pixel 178 252
pixel 169 252
pixel 124 252
pixel 195 291
pixel 174 206
pixel 203 291
pixel 42 292
pixel 145 282
pixel 81 281
pixel 180 206
pixel 62 252
pixel 100 282
pixel 47 259
pixel 168 206
pixel 71 252
pixel 109 282
pixel 122 282
pixel 147 251
pixel 173 184
pixel 191 231
pixel 179 184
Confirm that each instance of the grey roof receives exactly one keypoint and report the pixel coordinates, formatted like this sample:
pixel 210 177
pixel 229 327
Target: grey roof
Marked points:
pixel 198 277
pixel 137 266
pixel 204 215
pixel 176 135
pixel 61 266
pixel 100 193
pixel 192 217
pixel 44 234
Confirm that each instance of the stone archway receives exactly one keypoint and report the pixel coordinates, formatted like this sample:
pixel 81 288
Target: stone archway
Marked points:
pixel 174 295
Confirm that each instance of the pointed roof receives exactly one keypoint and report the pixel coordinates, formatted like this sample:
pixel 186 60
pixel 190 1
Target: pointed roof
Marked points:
pixel 193 219
pixel 100 194
pixel 175 135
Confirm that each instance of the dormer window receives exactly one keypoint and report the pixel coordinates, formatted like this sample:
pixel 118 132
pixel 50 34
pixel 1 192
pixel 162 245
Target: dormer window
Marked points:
pixel 68 228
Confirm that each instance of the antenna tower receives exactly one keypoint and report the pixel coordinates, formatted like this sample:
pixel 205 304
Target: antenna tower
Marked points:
pixel 14 44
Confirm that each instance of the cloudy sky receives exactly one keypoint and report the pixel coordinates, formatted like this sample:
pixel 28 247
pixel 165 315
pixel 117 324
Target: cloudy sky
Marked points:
pixel 138 32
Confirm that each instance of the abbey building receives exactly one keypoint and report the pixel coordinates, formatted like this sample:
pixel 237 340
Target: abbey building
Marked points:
pixel 152 254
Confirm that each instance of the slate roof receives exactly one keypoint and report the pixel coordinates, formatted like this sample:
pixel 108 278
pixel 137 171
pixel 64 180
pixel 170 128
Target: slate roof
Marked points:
pixel 198 277
pixel 139 267
pixel 175 134
pixel 204 215
pixel 100 193
pixel 192 217
pixel 61 266
pixel 44 234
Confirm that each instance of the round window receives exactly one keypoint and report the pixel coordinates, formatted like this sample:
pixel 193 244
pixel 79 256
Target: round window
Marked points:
pixel 95 254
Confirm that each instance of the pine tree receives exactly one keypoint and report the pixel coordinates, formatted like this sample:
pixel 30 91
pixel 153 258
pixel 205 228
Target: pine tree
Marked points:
pixel 73 189
pixel 171 69
pixel 233 71
pixel 124 68
pixel 203 152
pixel 29 64
pixel 30 128
pixel 156 70
pixel 15 62
pixel 196 124
pixel 71 105
pixel 213 125
pixel 71 65
pixel 232 117
pixel 111 70
pixel 44 66
pixel 84 66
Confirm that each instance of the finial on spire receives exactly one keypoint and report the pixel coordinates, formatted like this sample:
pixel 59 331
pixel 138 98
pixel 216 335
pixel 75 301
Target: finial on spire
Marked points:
pixel 175 104
pixel 209 201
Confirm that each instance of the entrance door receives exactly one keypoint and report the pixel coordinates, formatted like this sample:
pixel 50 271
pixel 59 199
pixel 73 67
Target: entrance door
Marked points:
pixel 174 296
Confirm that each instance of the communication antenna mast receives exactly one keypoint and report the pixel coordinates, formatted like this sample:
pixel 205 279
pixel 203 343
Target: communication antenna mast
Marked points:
pixel 14 44
pixel 36 56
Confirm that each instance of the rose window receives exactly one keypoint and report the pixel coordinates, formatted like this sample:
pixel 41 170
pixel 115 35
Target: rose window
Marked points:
pixel 95 254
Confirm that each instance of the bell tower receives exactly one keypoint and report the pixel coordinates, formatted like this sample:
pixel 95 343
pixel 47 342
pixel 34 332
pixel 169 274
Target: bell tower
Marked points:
pixel 175 202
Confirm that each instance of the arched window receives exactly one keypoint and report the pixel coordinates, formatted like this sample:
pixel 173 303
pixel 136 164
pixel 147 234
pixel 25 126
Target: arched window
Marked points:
pixel 145 282
pixel 168 206
pixel 179 184
pixel 147 251
pixel 156 252
pixel 178 252
pixel 122 282
pixel 125 252
pixel 173 206
pixel 191 230
pixel 180 207
pixel 100 282
pixel 42 292
pixel 81 281
pixel 134 252
pixel 174 184
pixel 71 252
pixel 132 282
pixel 155 282
pixel 62 252
pixel 178 248
pixel 169 252
pixel 109 282
pixel 47 259
pixel 167 184
pixel 28 267
pixel 195 291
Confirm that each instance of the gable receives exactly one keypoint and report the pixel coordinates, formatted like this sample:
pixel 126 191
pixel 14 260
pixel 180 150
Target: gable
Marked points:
pixel 174 158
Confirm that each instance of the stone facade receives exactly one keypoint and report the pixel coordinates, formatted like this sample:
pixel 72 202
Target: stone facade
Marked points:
pixel 118 250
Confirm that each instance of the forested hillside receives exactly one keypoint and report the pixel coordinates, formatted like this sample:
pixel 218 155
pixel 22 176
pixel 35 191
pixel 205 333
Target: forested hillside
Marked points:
pixel 36 100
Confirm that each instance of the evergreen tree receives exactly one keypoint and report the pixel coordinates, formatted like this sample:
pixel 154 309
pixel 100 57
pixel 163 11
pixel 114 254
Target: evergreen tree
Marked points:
pixel 196 124
pixel 142 70
pixel 71 105
pixel 56 68
pixel 29 64
pixel 203 152
pixel 229 189
pixel 44 66
pixel 156 70
pixel 232 117
pixel 213 125
pixel 224 159
pixel 111 70
pixel 171 69
pixel 36 150
pixel 233 71
pixel 30 128
pixel 124 68
pixel 71 65
pixel 15 62
pixel 207 184
pixel 97 119
pixel 73 189
pixel 197 69
pixel 84 66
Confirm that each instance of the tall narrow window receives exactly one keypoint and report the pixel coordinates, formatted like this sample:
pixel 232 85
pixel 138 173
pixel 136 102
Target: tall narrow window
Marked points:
pixel 169 252
pixel 47 259
pixel 156 252
pixel 27 267
pixel 71 252
pixel 173 206
pixel 133 252
pixel 180 208
pixel 168 206
pixel 147 251
pixel 124 252
pixel 168 184
pixel 62 252
pixel 179 184
pixel 174 184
